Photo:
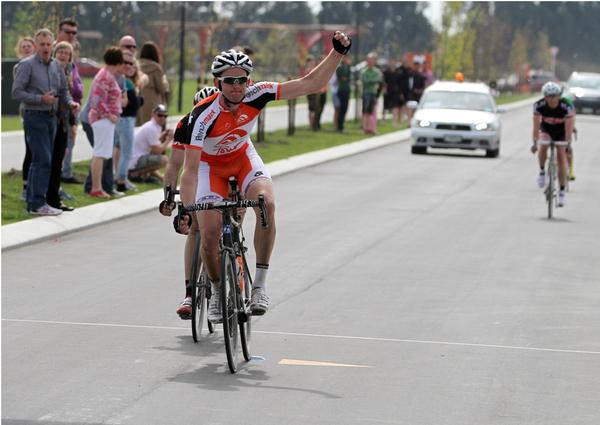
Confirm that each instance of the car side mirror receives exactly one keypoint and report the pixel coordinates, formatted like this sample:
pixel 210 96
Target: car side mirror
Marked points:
pixel 500 110
pixel 412 104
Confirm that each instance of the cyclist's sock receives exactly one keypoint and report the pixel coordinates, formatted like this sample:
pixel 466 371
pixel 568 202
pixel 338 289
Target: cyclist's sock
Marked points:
pixel 260 278
pixel 188 288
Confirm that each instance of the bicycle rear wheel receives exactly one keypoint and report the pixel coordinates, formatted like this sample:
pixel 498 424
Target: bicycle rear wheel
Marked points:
pixel 245 318
pixel 229 307
pixel 198 287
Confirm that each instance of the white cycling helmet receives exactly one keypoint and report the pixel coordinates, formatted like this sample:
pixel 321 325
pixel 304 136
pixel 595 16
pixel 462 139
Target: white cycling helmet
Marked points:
pixel 231 59
pixel 204 93
pixel 551 89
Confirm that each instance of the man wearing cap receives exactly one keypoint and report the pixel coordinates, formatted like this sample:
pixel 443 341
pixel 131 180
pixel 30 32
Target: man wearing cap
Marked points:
pixel 151 141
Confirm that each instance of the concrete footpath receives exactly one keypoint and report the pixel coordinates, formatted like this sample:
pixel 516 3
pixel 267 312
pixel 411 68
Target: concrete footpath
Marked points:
pixel 43 228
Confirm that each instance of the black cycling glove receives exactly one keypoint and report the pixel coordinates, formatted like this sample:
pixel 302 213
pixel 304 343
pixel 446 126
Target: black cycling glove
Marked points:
pixel 178 219
pixel 339 47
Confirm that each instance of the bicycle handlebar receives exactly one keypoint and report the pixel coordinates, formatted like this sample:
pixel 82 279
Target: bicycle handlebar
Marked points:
pixel 225 205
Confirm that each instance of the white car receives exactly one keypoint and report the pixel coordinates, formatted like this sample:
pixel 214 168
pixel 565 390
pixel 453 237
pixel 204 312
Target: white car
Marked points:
pixel 456 115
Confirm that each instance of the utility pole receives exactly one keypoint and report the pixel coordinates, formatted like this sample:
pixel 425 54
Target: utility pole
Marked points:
pixel 357 104
pixel 181 56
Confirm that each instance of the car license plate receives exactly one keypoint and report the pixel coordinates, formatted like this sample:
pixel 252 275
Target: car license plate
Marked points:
pixel 453 139
pixel 588 110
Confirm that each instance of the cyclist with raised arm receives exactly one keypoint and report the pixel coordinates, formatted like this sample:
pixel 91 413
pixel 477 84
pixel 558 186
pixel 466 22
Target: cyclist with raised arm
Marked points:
pixel 553 119
pixel 220 147
pixel 184 310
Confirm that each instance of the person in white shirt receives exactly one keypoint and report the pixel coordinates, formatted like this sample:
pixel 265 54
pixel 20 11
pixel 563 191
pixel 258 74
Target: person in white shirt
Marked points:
pixel 151 141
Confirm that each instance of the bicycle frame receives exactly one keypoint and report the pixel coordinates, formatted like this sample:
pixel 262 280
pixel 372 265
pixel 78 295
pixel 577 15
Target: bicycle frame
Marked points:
pixel 551 192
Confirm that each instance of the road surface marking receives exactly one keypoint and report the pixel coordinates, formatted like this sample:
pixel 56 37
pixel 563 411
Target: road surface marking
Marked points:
pixel 291 362
pixel 358 338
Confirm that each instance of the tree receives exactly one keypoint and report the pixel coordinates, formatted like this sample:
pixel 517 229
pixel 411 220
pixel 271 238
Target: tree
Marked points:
pixel 518 52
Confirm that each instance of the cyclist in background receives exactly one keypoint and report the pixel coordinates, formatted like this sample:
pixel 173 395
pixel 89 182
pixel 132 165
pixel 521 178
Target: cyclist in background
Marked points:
pixel 553 119
pixel 220 147
pixel 170 179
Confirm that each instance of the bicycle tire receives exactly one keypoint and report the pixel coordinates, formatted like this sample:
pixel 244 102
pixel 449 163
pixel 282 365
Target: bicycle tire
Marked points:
pixel 229 309
pixel 245 322
pixel 550 190
pixel 198 289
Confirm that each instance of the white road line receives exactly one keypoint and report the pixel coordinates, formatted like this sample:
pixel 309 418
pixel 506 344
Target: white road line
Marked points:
pixel 358 338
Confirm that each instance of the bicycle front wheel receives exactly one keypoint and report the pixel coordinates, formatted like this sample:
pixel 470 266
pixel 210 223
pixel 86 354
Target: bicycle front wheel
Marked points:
pixel 229 307
pixel 550 194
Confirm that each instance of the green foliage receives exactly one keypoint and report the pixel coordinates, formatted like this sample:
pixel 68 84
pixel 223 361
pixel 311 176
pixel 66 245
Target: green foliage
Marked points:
pixel 518 52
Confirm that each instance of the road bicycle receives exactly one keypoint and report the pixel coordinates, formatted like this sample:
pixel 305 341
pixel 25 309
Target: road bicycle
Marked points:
pixel 199 283
pixel 551 191
pixel 236 282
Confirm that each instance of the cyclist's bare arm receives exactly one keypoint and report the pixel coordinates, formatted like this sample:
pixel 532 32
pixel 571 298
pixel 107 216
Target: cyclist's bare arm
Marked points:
pixel 318 77
pixel 173 167
pixel 569 125
pixel 537 120
pixel 189 178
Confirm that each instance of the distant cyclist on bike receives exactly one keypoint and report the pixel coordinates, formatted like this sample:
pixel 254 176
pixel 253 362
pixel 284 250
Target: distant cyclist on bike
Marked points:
pixel 220 147
pixel 553 119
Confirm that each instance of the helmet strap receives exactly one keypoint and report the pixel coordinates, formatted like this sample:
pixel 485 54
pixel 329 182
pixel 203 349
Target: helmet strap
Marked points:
pixel 228 102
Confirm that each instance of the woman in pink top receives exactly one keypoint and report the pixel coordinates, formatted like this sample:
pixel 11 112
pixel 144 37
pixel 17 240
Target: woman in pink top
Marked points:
pixel 105 110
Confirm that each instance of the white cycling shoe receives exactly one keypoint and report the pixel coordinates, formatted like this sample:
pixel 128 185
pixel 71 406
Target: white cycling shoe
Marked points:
pixel 541 180
pixel 561 198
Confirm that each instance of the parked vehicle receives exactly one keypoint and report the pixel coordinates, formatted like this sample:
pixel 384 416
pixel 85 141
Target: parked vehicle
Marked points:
pixel 584 90
pixel 456 115
pixel 87 67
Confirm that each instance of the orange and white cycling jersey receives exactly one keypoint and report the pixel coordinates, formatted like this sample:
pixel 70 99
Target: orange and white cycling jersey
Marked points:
pixel 221 135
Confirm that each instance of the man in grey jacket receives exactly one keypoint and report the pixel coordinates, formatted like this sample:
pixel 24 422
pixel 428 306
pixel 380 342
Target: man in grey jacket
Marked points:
pixel 41 85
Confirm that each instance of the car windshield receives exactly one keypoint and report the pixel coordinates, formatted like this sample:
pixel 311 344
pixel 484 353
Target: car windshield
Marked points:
pixel 585 82
pixel 457 100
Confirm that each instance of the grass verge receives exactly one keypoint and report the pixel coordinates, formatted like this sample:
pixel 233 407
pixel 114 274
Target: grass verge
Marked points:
pixel 277 145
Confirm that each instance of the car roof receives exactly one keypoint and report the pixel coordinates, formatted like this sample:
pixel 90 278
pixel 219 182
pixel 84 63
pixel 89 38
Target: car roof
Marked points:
pixel 456 86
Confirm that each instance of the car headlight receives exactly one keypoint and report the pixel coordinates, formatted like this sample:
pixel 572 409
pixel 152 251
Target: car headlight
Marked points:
pixel 482 126
pixel 423 123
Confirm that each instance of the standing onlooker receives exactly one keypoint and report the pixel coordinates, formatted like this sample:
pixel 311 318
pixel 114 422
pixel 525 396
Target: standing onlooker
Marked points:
pixel 151 141
pixel 343 74
pixel 372 79
pixel 25 48
pixel 63 54
pixel 105 110
pixel 416 80
pixel 157 89
pixel 333 86
pixel 76 89
pixel 124 135
pixel 67 31
pixel 392 92
pixel 41 85
pixel 127 43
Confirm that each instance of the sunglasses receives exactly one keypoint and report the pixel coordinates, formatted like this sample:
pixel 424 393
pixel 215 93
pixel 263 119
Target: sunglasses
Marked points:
pixel 130 46
pixel 70 32
pixel 161 115
pixel 128 63
pixel 233 80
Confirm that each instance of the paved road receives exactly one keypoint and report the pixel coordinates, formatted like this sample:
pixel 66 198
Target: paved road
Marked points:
pixel 438 275
pixel 13 146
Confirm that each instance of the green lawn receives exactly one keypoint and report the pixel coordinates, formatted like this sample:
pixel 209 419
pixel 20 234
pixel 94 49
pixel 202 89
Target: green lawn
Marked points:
pixel 277 145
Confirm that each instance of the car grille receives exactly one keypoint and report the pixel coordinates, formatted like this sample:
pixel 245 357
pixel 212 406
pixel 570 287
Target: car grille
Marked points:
pixel 460 127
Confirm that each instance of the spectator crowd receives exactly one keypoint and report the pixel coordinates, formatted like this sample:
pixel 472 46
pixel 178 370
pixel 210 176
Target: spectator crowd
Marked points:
pixel 126 91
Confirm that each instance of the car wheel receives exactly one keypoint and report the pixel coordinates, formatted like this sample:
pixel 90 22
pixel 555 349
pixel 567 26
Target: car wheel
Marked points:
pixel 418 150
pixel 492 153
